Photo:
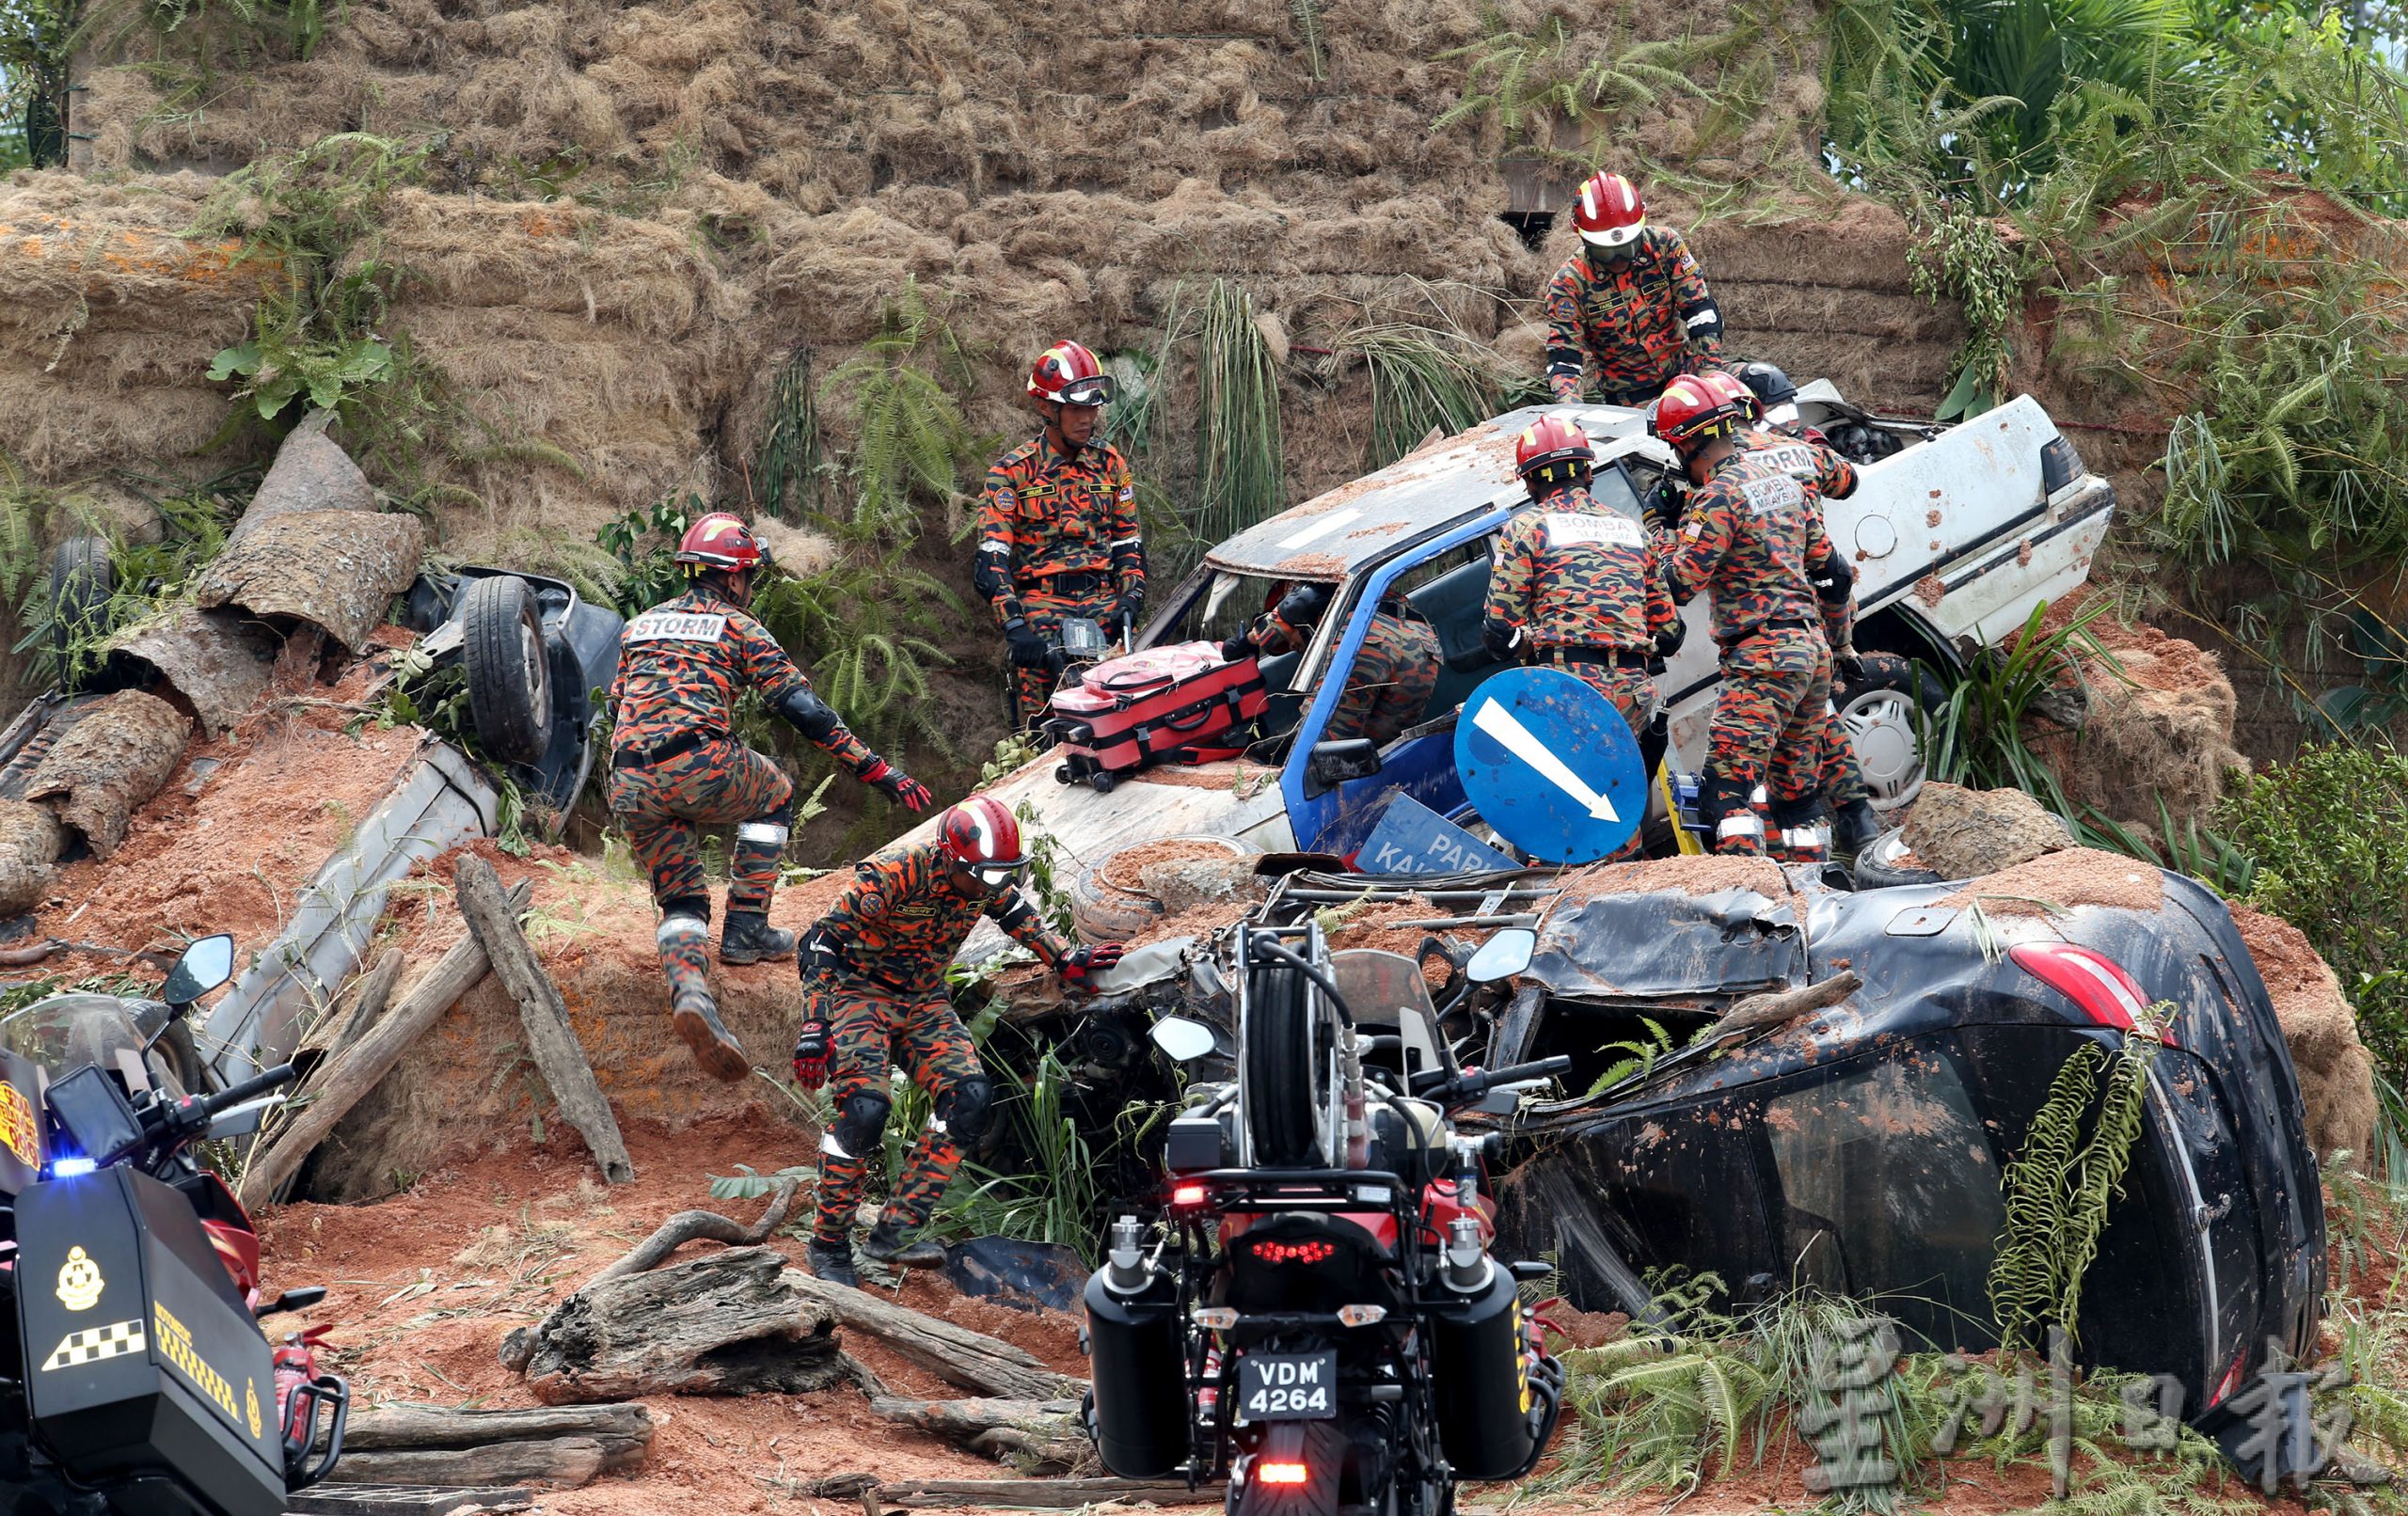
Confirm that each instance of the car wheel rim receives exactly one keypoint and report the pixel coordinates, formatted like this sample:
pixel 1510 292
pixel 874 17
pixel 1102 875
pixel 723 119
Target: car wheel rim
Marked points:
pixel 531 653
pixel 1881 727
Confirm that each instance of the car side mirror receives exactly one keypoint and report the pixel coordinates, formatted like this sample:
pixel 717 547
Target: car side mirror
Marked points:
pixel 1333 763
pixel 1502 955
pixel 1183 1039
pixel 205 965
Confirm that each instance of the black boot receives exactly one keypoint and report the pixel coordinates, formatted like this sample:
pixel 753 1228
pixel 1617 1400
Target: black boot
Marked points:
pixel 885 1245
pixel 833 1262
pixel 749 938
pixel 695 1016
pixel 1853 826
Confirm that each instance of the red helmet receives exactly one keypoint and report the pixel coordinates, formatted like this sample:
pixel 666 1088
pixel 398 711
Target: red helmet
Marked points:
pixel 1690 411
pixel 718 541
pixel 1608 211
pixel 1730 388
pixel 1549 441
pixel 1068 374
pixel 982 835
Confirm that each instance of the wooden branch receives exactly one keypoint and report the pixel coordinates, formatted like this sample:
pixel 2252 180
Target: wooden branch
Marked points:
pixel 567 1463
pixel 1047 1435
pixel 621 1430
pixel 375 988
pixel 550 1040
pixel 725 1324
pixel 352 1072
pixel 1753 1013
pixel 1032 1494
pixel 970 1359
pixel 688 1225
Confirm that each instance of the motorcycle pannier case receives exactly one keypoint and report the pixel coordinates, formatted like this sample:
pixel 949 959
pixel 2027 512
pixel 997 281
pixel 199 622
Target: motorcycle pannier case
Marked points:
pixel 143 1371
pixel 1183 702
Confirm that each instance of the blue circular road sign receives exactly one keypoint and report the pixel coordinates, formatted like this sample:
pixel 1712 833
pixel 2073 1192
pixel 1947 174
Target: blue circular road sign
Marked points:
pixel 1550 765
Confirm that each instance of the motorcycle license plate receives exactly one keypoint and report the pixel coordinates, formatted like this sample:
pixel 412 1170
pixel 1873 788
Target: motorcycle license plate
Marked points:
pixel 1288 1386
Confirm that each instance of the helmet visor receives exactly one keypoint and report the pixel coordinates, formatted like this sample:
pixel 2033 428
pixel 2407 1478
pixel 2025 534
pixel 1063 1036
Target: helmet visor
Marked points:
pixel 1095 391
pixel 997 878
pixel 1608 239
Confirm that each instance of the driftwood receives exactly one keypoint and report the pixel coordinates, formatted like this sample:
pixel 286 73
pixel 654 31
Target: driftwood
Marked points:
pixel 726 1324
pixel 332 1499
pixel 348 1077
pixel 550 1040
pixel 1755 1013
pixel 1010 1494
pixel 708 1226
pixel 970 1359
pixel 565 1463
pixel 1046 1434
pixel 623 1431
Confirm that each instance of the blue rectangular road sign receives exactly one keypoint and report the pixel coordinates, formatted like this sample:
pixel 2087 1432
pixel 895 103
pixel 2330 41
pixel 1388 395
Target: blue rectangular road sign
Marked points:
pixel 1413 839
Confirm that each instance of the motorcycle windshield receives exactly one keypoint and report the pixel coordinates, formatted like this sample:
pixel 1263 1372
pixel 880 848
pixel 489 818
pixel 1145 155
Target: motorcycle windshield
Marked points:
pixel 1385 991
pixel 65 1032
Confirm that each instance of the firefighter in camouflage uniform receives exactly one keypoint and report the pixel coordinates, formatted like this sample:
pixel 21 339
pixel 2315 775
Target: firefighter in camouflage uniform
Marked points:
pixel 1395 672
pixel 1631 303
pixel 872 989
pixel 1577 584
pixel 1752 537
pixel 676 767
pixel 1057 529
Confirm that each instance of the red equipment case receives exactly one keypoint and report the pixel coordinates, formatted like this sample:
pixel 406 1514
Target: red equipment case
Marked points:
pixel 1182 703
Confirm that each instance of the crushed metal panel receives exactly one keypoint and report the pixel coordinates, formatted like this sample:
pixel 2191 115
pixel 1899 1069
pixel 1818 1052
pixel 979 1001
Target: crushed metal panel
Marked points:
pixel 1665 945
pixel 219 660
pixel 439 800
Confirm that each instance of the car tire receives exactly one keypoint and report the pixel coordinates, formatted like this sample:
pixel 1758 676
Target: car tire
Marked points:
pixel 176 1049
pixel 509 683
pixel 1883 714
pixel 1285 1094
pixel 1877 868
pixel 1107 912
pixel 83 580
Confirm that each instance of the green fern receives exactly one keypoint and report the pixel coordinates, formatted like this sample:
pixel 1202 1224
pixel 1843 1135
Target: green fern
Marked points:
pixel 911 441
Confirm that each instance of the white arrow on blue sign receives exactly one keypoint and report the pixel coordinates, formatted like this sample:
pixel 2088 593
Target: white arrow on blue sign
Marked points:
pixel 1550 765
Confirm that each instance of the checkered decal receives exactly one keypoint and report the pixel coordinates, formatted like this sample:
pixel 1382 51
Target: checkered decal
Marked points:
pixel 95 1343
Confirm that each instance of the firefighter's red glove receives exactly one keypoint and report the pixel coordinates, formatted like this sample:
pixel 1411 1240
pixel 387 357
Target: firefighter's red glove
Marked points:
pixel 811 1055
pixel 1080 963
pixel 897 785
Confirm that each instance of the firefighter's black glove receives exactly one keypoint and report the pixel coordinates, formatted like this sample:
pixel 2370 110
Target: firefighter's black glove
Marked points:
pixel 1850 666
pixel 1080 963
pixel 897 785
pixel 1664 501
pixel 811 1055
pixel 1502 639
pixel 1028 649
pixel 1236 648
pixel 1131 606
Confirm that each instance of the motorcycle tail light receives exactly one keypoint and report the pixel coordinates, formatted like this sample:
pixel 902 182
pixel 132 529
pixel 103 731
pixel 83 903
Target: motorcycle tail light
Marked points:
pixel 1218 1317
pixel 1282 1472
pixel 1187 1196
pixel 2093 981
pixel 1362 1316
pixel 1271 1250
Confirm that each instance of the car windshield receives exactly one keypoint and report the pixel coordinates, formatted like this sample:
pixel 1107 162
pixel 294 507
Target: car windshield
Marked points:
pixel 65 1032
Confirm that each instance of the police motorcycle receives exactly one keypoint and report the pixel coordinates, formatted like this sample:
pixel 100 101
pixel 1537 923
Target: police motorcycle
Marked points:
pixel 1314 1314
pixel 137 1382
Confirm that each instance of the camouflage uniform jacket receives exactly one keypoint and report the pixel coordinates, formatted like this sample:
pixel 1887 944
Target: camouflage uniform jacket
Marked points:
pixel 1640 324
pixel 683 663
pixel 1573 573
pixel 902 919
pixel 1811 462
pixel 1044 515
pixel 1753 534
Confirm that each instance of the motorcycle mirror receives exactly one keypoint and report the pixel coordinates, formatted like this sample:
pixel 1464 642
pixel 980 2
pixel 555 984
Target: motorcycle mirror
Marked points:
pixel 1502 955
pixel 243 1120
pixel 205 965
pixel 1183 1039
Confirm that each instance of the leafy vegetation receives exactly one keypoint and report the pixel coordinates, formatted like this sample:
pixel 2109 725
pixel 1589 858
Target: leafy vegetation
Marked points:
pixel 1241 470
pixel 911 441
pixel 36 42
pixel 1979 737
pixel 1427 377
pixel 789 467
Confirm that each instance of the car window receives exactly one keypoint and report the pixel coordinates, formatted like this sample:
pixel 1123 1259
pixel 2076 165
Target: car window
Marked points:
pixel 1888 1184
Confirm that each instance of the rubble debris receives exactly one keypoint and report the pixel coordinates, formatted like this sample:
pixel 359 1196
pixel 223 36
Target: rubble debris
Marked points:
pixel 2061 881
pixel 1772 1008
pixel 2159 727
pixel 728 1323
pixel 30 837
pixel 109 765
pixel 339 570
pixel 218 660
pixel 355 1070
pixel 1959 832
pixel 2335 1071
pixel 1697 874
pixel 563 1447
pixel 550 1041
pixel 969 1360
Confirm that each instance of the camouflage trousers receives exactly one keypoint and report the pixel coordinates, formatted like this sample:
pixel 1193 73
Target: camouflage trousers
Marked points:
pixel 1632 690
pixel 867 1025
pixel 1033 688
pixel 1767 727
pixel 664 806
pixel 1390 686
pixel 1837 776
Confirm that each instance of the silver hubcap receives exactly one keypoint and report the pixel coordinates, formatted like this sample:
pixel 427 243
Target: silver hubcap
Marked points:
pixel 539 669
pixel 1881 725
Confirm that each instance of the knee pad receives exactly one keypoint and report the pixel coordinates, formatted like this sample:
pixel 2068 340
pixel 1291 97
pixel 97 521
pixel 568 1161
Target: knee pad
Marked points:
pixel 965 1109
pixel 857 1128
pixel 769 830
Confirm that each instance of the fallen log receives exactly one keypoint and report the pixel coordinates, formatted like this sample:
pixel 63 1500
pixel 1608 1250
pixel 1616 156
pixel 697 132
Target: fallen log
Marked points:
pixel 351 1074
pixel 968 1360
pixel 1771 1008
pixel 564 1463
pixel 621 1430
pixel 726 1324
pixel 550 1042
pixel 1028 1494
pixel 1043 1436
pixel 340 1028
pixel 705 1226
